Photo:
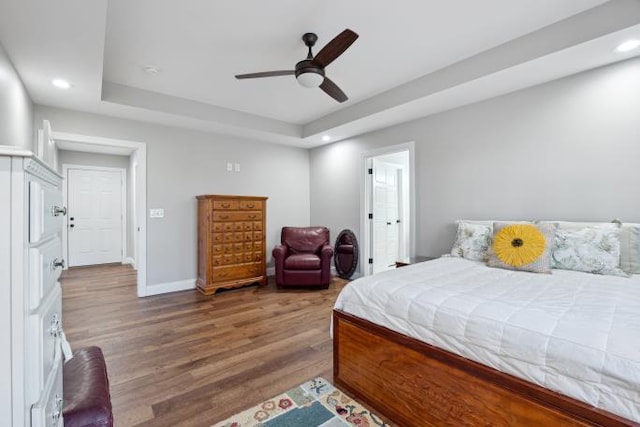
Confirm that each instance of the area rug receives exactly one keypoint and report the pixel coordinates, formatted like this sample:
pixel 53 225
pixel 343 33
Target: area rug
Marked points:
pixel 315 403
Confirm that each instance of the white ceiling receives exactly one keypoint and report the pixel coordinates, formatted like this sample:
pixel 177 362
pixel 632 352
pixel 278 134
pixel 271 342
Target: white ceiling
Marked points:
pixel 413 58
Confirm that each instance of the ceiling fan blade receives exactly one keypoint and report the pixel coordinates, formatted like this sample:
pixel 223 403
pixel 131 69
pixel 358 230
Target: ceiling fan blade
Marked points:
pixel 266 74
pixel 332 89
pixel 335 48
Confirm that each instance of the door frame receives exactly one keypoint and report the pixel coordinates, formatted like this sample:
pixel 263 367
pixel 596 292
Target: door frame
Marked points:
pixel 124 196
pixel 366 195
pixel 138 156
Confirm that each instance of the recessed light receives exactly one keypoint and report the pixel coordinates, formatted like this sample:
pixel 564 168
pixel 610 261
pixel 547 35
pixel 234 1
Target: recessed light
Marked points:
pixel 326 138
pixel 151 69
pixel 628 45
pixel 60 83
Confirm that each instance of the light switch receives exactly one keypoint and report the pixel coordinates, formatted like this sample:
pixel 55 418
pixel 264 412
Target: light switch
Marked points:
pixel 229 167
pixel 156 213
pixel 237 167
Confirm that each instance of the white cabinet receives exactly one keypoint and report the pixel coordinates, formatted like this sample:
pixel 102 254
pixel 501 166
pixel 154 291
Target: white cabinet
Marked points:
pixel 31 261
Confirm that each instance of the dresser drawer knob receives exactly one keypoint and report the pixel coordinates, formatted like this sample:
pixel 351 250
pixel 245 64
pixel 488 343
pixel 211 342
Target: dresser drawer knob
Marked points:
pixel 57 211
pixel 57 263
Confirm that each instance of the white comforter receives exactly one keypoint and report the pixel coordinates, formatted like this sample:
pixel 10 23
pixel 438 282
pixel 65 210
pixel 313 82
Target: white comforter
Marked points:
pixel 575 333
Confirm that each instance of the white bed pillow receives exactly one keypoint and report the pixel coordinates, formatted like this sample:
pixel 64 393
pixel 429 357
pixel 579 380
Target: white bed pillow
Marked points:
pixel 472 240
pixel 594 249
pixel 630 248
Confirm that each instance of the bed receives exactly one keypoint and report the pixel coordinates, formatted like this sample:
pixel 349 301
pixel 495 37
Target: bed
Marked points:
pixel 454 342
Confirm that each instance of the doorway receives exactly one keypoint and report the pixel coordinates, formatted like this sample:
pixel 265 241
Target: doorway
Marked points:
pixel 137 153
pixel 97 205
pixel 387 207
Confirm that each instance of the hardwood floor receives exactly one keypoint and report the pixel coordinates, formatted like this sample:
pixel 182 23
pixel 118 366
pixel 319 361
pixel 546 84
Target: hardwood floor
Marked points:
pixel 189 360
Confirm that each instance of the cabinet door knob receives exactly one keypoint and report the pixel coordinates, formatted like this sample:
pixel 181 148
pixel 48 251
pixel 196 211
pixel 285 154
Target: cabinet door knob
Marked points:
pixel 54 325
pixel 57 263
pixel 57 211
pixel 57 412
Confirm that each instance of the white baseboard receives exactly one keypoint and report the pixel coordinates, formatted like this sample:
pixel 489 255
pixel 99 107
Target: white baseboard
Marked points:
pixel 163 288
pixel 129 260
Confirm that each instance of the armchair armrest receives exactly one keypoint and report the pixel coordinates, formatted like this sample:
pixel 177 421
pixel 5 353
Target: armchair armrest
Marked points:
pixel 279 252
pixel 326 252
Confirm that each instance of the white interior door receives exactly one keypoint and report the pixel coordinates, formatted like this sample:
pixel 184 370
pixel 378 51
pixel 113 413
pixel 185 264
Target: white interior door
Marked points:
pixel 94 217
pixel 386 215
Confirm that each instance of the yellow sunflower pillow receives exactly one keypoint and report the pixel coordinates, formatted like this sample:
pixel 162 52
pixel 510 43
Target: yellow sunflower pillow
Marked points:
pixel 522 246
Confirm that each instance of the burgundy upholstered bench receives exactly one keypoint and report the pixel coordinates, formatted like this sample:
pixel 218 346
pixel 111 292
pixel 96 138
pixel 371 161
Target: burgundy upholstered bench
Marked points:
pixel 87 402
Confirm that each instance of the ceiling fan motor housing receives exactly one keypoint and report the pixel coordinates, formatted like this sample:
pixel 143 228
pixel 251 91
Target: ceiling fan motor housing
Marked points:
pixel 308 74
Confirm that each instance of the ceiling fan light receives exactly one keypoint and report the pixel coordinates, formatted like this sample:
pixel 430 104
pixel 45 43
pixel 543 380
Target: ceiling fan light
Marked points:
pixel 310 79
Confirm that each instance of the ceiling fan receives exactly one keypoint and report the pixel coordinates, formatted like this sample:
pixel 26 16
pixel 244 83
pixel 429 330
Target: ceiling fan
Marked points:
pixel 310 71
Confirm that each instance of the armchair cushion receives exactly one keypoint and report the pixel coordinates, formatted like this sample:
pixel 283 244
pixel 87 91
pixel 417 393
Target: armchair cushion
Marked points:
pixel 302 262
pixel 305 239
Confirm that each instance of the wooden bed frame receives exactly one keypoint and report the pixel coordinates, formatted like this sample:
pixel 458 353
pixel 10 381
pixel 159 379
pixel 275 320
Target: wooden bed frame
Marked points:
pixel 415 384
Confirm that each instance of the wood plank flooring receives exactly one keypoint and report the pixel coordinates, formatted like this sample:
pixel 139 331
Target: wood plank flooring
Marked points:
pixel 183 359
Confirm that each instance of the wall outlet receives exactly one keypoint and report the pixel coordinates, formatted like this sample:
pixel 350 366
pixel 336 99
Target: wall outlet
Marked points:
pixel 237 167
pixel 156 213
pixel 229 167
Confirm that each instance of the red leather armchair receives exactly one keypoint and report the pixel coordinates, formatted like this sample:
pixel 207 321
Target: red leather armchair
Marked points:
pixel 304 257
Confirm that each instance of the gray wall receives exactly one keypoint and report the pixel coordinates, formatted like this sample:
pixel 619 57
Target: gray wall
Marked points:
pixel 566 150
pixel 182 164
pixel 16 109
pixel 107 161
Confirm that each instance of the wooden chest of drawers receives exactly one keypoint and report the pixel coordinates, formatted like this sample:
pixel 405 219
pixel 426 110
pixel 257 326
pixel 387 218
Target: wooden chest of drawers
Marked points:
pixel 231 242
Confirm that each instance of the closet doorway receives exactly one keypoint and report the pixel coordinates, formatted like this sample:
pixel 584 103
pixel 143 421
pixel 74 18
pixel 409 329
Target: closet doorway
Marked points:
pixel 387 208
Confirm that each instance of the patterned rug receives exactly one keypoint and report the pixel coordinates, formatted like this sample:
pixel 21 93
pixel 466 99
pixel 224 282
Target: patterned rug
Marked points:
pixel 315 403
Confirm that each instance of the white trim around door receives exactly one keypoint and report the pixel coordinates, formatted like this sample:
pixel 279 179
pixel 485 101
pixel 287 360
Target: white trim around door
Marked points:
pixel 365 201
pixel 138 151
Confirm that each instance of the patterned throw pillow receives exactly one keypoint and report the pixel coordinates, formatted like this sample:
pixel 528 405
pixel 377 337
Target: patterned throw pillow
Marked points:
pixel 472 241
pixel 522 247
pixel 590 249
